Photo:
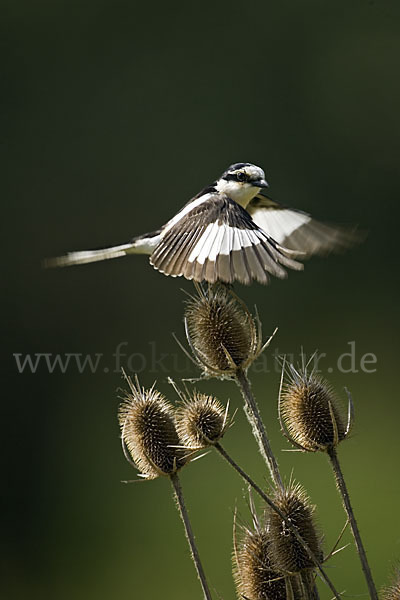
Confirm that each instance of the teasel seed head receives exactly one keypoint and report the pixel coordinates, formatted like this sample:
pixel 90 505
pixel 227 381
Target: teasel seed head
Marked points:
pixel 223 336
pixel 254 574
pixel 201 420
pixel 148 432
pixel 392 592
pixel 310 413
pixel 287 554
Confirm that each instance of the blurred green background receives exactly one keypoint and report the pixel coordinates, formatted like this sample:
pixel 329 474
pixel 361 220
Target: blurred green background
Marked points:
pixel 113 115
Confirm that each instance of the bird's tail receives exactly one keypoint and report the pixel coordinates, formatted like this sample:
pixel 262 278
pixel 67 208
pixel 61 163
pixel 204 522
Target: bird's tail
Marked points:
pixel 87 256
pixel 144 244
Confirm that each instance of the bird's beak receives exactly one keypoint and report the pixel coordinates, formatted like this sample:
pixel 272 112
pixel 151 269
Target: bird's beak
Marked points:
pixel 261 183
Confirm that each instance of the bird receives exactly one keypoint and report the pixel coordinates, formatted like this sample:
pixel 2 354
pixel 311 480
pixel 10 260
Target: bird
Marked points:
pixel 230 231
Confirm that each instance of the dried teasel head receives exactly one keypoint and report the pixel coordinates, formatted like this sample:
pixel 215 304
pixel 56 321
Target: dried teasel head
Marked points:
pixel 287 554
pixel 253 571
pixel 223 336
pixel 148 432
pixel 201 420
pixel 310 413
pixel 392 592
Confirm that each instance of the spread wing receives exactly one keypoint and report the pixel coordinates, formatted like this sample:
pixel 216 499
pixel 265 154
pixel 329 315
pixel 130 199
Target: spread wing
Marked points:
pixel 215 239
pixel 298 231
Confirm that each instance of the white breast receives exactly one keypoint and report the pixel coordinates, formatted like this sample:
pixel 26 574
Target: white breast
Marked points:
pixel 241 193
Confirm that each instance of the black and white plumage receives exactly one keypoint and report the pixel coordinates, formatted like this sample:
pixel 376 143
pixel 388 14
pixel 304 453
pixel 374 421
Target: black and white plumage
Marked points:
pixel 229 232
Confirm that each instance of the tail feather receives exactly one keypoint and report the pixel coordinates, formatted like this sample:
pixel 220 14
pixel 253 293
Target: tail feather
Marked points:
pixel 143 244
pixel 87 256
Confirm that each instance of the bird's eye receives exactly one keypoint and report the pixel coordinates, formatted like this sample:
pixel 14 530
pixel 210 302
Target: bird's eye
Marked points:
pixel 241 176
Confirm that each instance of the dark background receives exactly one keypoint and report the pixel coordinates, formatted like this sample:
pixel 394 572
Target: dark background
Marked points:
pixel 112 115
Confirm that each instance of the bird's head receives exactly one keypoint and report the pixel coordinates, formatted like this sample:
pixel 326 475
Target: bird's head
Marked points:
pixel 241 182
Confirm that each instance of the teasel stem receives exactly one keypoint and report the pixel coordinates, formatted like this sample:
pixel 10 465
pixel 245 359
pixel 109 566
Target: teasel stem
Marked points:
pixel 176 484
pixel 258 427
pixel 289 525
pixel 352 520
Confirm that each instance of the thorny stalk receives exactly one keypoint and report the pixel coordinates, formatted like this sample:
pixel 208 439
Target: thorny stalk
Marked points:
pixel 352 520
pixel 258 427
pixel 189 534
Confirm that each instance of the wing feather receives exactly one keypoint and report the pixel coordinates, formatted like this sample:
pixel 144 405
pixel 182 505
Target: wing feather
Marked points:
pixel 255 264
pixel 298 231
pixel 218 241
pixel 183 253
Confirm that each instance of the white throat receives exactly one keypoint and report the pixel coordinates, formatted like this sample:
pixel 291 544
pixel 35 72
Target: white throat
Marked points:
pixel 241 193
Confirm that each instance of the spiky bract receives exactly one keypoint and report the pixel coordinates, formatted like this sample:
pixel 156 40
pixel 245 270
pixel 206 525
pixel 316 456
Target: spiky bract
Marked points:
pixel 148 431
pixel 311 410
pixel 200 421
pixel 287 554
pixel 221 332
pixel 254 574
pixel 392 592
